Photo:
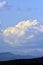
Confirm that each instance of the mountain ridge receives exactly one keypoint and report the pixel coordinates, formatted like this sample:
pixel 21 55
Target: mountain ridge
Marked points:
pixel 9 56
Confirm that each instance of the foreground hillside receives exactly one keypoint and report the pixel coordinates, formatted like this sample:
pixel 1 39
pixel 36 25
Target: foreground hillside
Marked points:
pixel 22 61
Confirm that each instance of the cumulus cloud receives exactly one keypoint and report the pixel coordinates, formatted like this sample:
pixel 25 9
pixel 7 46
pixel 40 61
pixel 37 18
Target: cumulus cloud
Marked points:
pixel 23 32
pixel 2 4
pixel 23 38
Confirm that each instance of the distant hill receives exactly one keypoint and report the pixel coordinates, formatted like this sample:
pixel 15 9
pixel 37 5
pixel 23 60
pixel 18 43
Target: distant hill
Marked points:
pixel 9 56
pixel 6 56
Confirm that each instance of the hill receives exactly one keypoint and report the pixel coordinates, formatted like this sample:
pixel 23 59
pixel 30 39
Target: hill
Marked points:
pixel 23 61
pixel 5 56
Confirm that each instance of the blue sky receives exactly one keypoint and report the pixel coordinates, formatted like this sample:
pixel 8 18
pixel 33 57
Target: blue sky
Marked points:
pixel 22 21
pixel 18 10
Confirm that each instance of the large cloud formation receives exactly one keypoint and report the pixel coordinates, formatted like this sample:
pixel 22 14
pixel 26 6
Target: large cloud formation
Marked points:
pixel 23 32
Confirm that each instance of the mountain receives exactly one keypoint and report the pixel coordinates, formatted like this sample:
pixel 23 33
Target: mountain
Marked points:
pixel 5 56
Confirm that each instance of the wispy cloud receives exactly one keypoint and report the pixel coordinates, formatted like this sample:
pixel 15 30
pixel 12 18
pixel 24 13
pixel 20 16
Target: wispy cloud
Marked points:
pixel 2 4
pixel 40 28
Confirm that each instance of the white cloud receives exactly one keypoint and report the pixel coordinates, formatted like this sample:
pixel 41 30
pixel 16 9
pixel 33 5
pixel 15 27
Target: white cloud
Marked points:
pixel 31 36
pixel 22 37
pixel 2 4
pixel 40 28
pixel 22 32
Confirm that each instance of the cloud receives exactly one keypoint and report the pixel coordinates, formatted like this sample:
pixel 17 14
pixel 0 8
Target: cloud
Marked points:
pixel 25 38
pixel 20 28
pixel 23 32
pixel 33 49
pixel 2 4
pixel 40 28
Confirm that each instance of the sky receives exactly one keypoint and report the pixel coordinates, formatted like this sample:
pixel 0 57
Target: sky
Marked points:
pixel 14 11
pixel 21 26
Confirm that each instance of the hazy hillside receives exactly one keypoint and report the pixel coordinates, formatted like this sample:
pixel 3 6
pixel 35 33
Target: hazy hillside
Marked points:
pixel 9 56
